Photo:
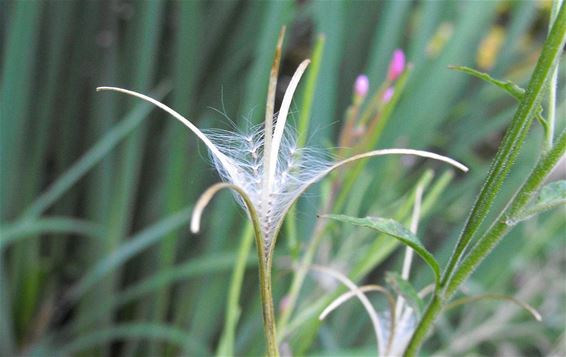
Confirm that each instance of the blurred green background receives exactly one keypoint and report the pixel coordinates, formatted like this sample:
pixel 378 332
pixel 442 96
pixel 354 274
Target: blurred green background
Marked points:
pixel 96 188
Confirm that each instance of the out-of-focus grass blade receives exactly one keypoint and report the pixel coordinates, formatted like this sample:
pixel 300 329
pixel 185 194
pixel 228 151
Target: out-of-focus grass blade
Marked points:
pixel 329 20
pixel 7 338
pixel 303 133
pixel 215 263
pixel 309 91
pixel 189 344
pixel 220 236
pixel 16 99
pixel 275 15
pixel 91 157
pixel 70 120
pixel 521 17
pixel 387 37
pixel 176 167
pixel 223 69
pixel 139 68
pixel 101 183
pixel 430 15
pixel 422 109
pixel 12 233
pixel 37 147
pixel 233 310
pixel 133 246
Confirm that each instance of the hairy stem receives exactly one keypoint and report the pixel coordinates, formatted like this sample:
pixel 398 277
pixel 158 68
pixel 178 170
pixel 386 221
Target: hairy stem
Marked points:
pixel 505 221
pixel 486 244
pixel 551 108
pixel 513 140
pixel 432 310
pixel 505 157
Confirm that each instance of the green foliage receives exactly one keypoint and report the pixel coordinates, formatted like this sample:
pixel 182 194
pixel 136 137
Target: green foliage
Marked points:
pixel 396 230
pixel 405 290
pixel 551 196
pixel 78 164
pixel 508 86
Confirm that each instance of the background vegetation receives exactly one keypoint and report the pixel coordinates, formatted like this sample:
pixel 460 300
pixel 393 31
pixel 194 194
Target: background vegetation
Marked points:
pixel 97 189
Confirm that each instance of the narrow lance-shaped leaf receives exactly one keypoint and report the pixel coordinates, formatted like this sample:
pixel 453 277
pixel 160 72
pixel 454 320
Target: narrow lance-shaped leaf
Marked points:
pixel 406 290
pixel 508 86
pixel 395 230
pixel 551 196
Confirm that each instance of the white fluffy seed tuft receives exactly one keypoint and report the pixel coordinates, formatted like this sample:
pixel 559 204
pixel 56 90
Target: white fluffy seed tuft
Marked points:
pixel 294 168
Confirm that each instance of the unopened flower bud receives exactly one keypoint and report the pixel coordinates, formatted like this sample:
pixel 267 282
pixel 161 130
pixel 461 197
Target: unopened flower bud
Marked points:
pixel 361 87
pixel 397 65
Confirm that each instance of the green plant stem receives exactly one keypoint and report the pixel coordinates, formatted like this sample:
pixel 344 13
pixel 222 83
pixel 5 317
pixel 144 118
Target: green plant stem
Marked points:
pixel 267 306
pixel 265 260
pixel 513 140
pixel 508 218
pixel 432 310
pixel 551 108
pixel 509 149
pixel 233 310
pixel 486 244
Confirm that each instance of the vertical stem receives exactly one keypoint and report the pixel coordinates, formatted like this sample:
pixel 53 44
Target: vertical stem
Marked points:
pixel 513 140
pixel 226 344
pixel 551 108
pixel 506 220
pixel 426 322
pixel 457 271
pixel 267 306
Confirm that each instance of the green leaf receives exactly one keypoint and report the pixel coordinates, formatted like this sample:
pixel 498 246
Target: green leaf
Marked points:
pixel 54 224
pixel 551 196
pixel 553 193
pixel 207 265
pixel 508 86
pixel 132 246
pixel 406 290
pixel 395 230
pixel 137 330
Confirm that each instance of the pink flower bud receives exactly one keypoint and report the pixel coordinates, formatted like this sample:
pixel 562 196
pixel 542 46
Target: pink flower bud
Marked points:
pixel 387 95
pixel 397 65
pixel 361 87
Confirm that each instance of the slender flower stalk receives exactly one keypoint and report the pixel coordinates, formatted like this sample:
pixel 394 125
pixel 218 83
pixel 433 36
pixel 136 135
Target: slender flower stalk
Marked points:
pixel 268 172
